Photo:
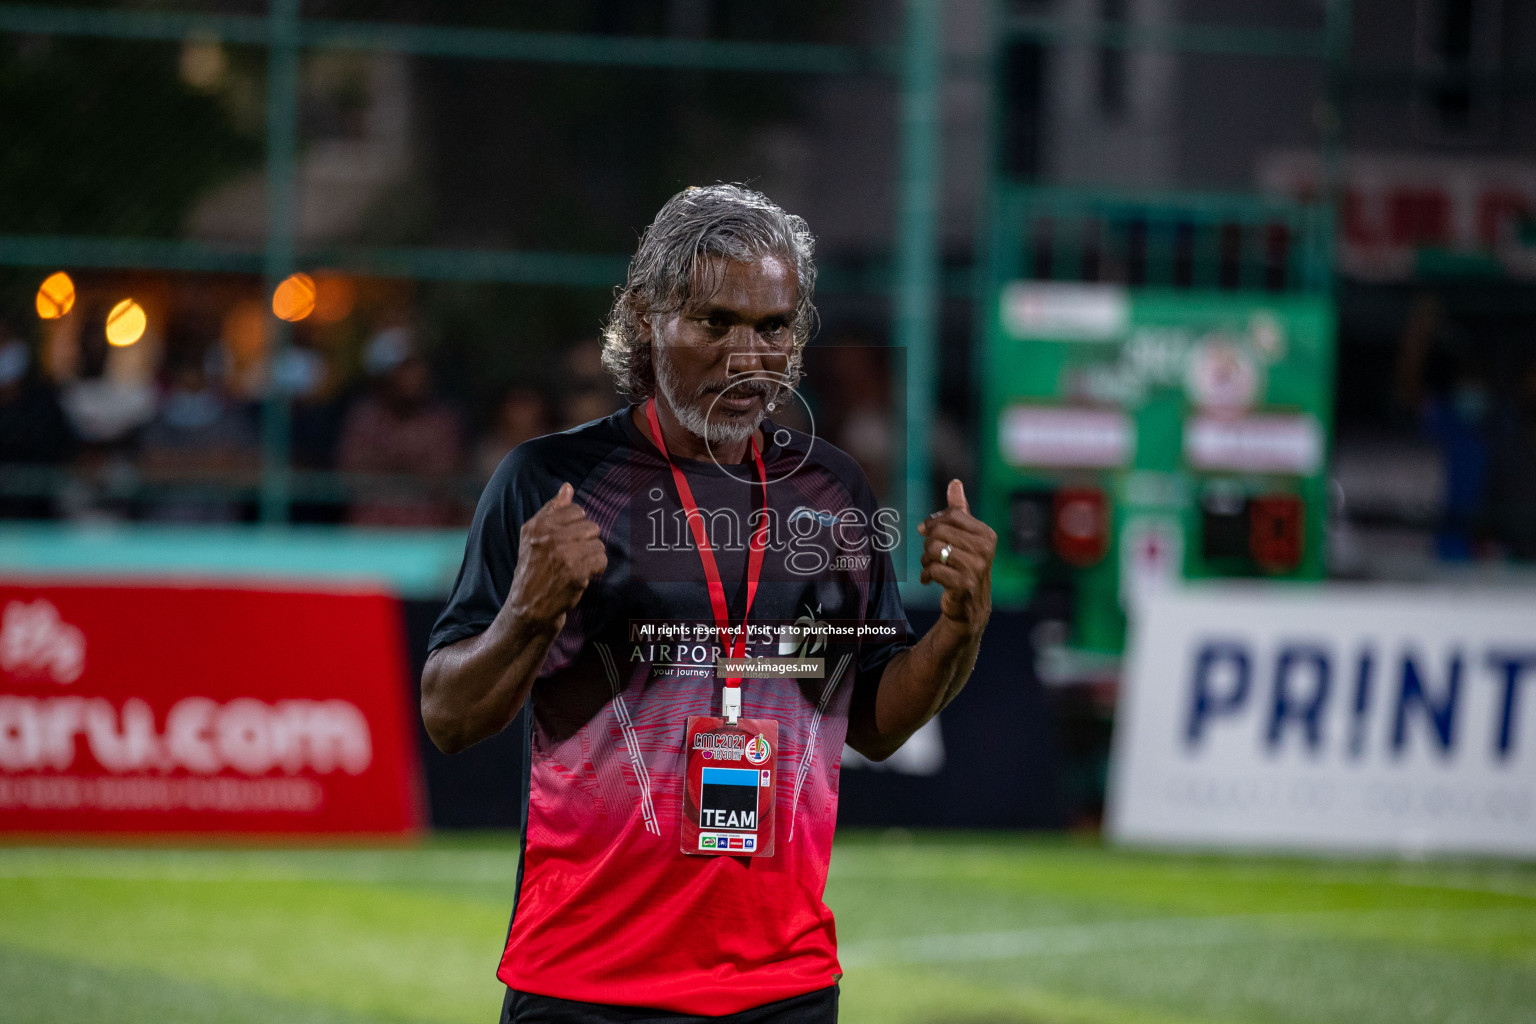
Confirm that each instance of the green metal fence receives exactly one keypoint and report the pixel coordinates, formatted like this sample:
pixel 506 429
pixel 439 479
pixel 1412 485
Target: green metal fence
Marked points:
pixel 1176 240
pixel 283 35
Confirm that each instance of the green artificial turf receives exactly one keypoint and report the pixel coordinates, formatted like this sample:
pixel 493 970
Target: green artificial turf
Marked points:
pixel 934 929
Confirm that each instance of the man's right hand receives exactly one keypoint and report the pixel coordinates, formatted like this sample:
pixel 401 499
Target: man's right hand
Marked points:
pixel 472 688
pixel 560 551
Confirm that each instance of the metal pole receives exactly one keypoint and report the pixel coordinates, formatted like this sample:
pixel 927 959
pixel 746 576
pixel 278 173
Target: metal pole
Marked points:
pixel 282 144
pixel 917 258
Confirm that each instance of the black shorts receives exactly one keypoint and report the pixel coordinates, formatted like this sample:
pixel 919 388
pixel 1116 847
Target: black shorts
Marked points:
pixel 819 1007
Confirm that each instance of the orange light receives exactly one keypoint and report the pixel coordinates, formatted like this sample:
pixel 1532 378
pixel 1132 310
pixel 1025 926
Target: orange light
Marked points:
pixel 55 296
pixel 126 323
pixel 294 299
pixel 334 298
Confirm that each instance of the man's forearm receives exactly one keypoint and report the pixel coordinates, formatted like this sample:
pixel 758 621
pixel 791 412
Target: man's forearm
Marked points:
pixel 916 685
pixel 470 690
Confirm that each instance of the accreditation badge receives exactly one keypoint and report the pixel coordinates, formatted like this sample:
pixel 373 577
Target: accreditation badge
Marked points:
pixel 728 786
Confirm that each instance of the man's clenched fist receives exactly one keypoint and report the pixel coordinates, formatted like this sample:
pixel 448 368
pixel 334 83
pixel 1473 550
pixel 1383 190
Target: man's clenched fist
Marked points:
pixel 957 555
pixel 560 551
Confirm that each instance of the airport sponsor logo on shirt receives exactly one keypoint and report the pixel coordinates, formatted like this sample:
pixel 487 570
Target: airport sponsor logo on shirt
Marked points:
pixel 678 659
pixel 775 648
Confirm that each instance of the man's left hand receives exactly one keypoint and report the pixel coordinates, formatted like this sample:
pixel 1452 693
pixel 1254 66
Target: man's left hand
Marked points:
pixel 965 570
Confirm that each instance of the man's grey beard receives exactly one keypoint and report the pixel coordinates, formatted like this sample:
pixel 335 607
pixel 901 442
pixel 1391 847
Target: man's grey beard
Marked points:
pixel 726 432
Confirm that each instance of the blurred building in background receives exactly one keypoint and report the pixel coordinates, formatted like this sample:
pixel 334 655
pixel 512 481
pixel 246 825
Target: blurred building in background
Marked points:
pixel 327 262
pixel 437 160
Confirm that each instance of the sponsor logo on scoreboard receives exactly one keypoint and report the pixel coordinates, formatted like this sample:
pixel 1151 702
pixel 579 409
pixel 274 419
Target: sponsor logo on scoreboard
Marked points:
pixel 1065 436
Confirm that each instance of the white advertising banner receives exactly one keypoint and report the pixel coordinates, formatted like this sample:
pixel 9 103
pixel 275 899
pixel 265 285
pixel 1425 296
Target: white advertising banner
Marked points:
pixel 1329 718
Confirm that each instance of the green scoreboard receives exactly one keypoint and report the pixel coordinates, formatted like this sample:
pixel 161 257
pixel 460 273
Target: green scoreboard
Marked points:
pixel 1133 437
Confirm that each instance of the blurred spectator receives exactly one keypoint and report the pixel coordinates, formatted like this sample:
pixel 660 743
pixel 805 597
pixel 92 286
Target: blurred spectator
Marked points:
pixel 200 441
pixel 309 380
pixel 857 409
pixel 318 407
pixel 588 391
pixel 33 429
pixel 586 406
pixel 520 415
pixel 951 449
pixel 402 429
pixel 109 398
pixel 105 407
pixel 1512 492
pixel 1456 416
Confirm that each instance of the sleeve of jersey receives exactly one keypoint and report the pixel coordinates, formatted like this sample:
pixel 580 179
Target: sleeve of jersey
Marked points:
pixel 884 607
pixel 515 492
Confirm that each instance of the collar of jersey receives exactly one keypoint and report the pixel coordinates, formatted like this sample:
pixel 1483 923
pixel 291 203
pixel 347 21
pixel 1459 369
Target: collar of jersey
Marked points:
pixel 704 466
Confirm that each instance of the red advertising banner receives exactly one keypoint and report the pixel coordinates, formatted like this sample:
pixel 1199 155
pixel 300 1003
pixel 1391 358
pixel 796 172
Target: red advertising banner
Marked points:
pixel 154 708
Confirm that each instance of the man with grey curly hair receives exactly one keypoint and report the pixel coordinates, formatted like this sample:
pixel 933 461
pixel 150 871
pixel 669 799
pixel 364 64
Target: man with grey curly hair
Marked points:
pixel 624 580
pixel 684 257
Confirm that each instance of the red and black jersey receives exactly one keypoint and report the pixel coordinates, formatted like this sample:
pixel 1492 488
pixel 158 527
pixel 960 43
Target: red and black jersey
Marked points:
pixel 608 909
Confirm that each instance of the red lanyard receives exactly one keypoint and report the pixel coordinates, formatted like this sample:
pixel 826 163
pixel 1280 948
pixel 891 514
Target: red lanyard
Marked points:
pixel 736 643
